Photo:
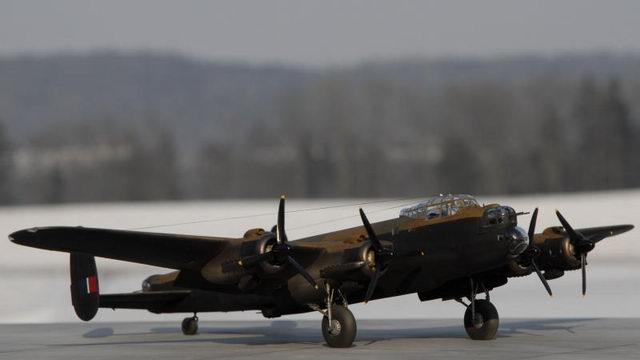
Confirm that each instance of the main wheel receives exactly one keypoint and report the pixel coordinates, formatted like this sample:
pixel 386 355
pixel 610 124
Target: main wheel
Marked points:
pixel 342 330
pixel 190 326
pixel 485 324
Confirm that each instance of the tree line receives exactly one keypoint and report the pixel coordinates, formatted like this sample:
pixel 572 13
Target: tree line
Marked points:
pixel 344 133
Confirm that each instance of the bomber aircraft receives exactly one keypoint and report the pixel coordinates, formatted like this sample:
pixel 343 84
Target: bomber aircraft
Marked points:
pixel 448 247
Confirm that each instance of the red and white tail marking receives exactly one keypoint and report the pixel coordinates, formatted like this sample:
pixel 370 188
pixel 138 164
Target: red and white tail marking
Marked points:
pixel 92 284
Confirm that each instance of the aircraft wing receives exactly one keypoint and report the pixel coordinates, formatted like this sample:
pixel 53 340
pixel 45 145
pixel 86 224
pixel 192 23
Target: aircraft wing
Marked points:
pixel 157 249
pixel 596 234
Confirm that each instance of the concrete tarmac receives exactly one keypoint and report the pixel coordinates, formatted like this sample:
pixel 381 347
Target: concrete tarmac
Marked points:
pixel 282 339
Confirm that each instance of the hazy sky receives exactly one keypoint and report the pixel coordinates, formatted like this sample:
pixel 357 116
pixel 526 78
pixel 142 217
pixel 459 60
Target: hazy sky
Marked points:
pixel 320 32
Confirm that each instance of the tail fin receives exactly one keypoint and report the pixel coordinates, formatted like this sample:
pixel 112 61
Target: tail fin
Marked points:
pixel 85 295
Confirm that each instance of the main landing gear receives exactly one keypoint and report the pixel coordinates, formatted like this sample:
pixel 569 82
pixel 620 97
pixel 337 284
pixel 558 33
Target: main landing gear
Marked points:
pixel 338 324
pixel 190 325
pixel 481 317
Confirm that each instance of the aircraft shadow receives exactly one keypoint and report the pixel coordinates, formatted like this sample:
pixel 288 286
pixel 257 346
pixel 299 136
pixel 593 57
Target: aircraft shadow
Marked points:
pixel 289 332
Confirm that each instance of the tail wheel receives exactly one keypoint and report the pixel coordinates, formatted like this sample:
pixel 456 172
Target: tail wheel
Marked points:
pixel 342 330
pixel 485 324
pixel 190 325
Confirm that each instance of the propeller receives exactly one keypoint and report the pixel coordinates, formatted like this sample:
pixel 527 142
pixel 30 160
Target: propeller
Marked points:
pixel 381 258
pixel 532 252
pixel 280 253
pixel 581 246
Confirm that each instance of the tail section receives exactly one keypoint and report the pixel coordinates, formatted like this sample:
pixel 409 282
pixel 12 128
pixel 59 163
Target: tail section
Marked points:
pixel 85 294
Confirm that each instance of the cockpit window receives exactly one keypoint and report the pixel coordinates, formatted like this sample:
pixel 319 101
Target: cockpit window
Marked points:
pixel 499 215
pixel 495 216
pixel 437 206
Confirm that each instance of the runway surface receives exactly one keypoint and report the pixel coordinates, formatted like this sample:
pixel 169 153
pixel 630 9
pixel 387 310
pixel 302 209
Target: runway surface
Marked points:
pixel 377 339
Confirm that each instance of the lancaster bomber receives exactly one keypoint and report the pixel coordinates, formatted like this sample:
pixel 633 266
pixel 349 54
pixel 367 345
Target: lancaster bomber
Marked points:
pixel 448 247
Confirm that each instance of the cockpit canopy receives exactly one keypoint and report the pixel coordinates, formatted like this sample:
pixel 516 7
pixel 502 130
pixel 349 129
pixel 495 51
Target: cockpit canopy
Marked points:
pixel 437 206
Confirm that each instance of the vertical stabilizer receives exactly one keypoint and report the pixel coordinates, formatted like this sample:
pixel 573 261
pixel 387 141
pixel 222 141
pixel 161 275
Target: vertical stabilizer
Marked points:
pixel 85 294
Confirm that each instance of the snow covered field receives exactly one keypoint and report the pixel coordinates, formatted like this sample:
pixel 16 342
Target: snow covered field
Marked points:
pixel 35 282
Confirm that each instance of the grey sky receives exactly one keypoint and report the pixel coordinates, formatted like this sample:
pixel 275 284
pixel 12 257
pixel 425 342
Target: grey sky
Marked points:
pixel 320 32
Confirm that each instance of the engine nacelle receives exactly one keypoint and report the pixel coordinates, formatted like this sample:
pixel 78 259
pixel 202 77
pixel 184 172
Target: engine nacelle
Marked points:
pixel 356 263
pixel 260 242
pixel 556 255
pixel 264 245
pixel 516 269
pixel 367 255
pixel 556 251
pixel 223 269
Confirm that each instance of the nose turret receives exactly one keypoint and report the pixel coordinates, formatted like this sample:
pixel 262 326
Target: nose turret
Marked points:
pixel 518 241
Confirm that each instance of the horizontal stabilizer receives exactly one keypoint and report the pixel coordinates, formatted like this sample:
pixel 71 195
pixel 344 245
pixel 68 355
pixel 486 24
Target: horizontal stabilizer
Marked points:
pixel 142 300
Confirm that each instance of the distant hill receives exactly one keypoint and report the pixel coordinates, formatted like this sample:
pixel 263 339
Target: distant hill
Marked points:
pixel 375 129
pixel 189 98
pixel 209 99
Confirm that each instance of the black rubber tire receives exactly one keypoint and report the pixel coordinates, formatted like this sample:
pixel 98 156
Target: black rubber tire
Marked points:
pixel 190 326
pixel 490 321
pixel 348 328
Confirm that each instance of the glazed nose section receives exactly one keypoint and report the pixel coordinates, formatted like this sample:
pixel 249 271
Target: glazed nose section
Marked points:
pixel 518 241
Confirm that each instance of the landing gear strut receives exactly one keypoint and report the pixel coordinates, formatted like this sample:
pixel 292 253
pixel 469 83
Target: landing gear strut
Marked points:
pixel 481 317
pixel 190 325
pixel 338 324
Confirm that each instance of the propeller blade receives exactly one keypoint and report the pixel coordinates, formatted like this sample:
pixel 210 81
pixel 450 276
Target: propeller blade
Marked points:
pixel 582 246
pixel 380 255
pixel 580 243
pixel 372 284
pixel 544 281
pixel 302 271
pixel 377 246
pixel 282 235
pixel 532 226
pixel 583 263
pixel 573 235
